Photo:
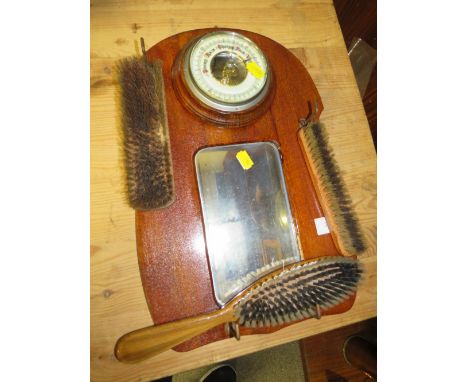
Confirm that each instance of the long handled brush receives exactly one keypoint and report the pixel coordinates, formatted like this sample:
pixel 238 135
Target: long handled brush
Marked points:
pixel 298 292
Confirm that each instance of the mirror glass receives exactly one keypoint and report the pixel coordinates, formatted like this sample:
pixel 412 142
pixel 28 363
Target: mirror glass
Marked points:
pixel 248 224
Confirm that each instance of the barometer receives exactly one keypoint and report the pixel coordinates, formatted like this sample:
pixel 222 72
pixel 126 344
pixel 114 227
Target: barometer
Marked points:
pixel 224 75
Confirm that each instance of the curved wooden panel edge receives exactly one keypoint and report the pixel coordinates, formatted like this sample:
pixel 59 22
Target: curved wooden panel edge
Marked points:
pixel 148 264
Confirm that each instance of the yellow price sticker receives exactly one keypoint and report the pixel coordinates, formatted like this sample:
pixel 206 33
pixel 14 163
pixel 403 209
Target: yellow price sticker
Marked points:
pixel 244 159
pixel 256 70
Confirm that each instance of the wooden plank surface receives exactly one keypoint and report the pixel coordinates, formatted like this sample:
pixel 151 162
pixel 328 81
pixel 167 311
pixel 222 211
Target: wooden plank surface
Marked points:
pixel 311 30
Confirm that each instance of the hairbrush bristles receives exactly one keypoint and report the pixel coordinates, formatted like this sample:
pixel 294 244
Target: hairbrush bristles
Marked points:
pixel 146 137
pixel 298 292
pixel 333 189
pixel 292 294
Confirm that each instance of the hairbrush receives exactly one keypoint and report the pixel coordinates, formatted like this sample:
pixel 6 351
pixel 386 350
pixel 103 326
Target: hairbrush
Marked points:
pixel 294 293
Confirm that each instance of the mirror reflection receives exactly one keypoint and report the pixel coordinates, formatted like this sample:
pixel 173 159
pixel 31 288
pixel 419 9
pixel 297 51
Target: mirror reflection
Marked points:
pixel 247 218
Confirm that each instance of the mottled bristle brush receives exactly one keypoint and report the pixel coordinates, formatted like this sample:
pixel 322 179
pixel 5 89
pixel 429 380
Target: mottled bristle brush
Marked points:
pixel 331 189
pixel 145 134
pixel 291 294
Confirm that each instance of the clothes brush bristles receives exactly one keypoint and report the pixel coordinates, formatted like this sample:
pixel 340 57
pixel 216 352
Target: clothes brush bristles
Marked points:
pixel 145 134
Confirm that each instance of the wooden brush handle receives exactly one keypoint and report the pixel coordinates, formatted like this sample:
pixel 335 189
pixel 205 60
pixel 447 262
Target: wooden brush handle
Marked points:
pixel 144 343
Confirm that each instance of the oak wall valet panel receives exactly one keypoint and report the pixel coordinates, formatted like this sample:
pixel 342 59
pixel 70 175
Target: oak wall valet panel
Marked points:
pixel 242 128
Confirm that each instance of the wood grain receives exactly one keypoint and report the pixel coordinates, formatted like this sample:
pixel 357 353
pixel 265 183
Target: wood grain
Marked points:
pixel 144 343
pixel 323 358
pixel 359 19
pixel 311 31
pixel 167 254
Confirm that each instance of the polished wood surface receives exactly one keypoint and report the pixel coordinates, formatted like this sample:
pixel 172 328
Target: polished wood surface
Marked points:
pixel 323 354
pixel 171 244
pixel 147 342
pixel 308 29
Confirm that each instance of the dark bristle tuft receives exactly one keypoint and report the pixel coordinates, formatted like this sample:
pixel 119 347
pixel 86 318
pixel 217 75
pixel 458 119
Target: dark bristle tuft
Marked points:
pixel 334 188
pixel 146 138
pixel 295 293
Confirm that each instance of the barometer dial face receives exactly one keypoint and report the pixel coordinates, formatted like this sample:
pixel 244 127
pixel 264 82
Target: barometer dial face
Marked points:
pixel 227 71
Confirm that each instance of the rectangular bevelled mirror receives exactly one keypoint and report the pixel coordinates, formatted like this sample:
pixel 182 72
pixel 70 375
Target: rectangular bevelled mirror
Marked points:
pixel 248 224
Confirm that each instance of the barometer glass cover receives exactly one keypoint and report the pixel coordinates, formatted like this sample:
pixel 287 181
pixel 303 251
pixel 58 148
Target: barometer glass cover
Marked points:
pixel 227 71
